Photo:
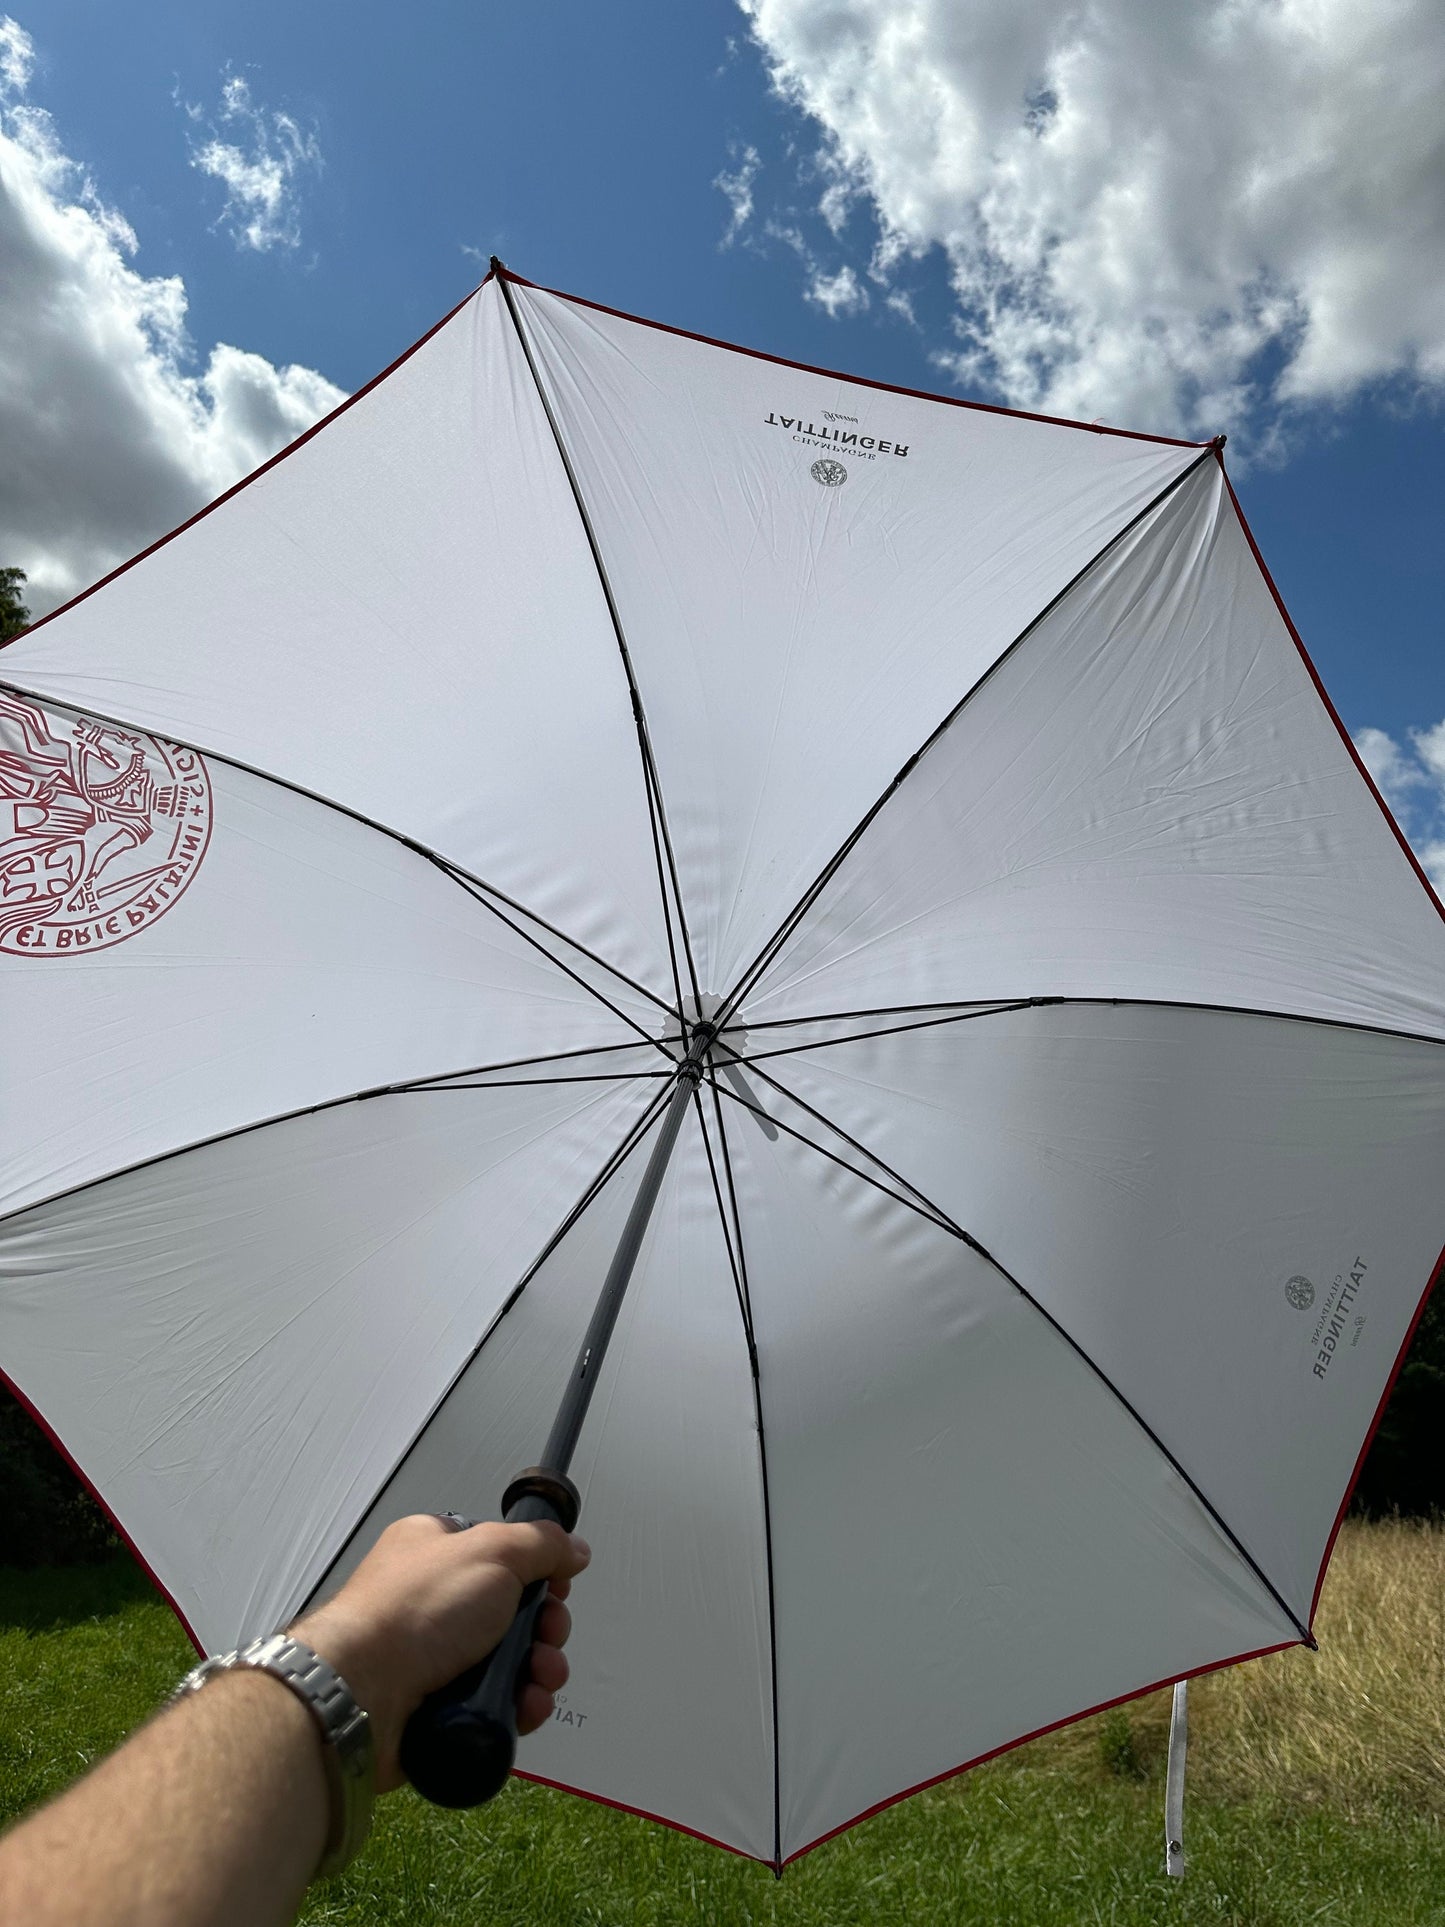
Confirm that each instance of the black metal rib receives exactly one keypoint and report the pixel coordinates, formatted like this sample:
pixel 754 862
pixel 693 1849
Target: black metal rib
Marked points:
pixel 566 969
pixel 487 894
pixel 662 841
pixel 515 1064
pixel 981 1004
pixel 614 1162
pixel 926 1211
pixel 733 1265
pixel 746 1303
pixel 420 1087
pixel 530 1083
pixel 891 1030
pixel 810 896
pixel 937 1215
pixel 961 1013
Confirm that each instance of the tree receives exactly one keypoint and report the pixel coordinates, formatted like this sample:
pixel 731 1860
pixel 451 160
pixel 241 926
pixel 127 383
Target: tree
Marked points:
pixel 14 616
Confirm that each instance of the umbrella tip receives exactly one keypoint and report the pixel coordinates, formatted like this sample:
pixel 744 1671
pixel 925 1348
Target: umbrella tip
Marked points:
pixel 1218 441
pixel 495 266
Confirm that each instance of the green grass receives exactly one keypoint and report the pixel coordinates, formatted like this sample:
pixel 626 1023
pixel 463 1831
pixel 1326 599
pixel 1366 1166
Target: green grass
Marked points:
pixel 1050 1837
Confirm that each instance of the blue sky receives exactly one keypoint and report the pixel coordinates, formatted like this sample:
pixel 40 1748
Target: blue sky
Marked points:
pixel 1239 233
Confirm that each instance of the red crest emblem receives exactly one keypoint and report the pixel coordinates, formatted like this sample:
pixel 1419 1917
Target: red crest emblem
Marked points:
pixel 101 829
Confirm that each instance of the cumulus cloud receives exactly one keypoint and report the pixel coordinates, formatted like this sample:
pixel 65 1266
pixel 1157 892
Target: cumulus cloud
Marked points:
pixel 112 432
pixel 258 166
pixel 1411 778
pixel 1165 215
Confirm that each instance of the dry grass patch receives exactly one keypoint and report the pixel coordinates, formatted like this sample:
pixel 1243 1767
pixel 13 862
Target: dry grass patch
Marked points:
pixel 1359 1725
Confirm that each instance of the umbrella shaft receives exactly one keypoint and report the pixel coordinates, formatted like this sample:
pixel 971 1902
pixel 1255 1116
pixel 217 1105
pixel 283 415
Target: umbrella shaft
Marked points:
pixel 562 1440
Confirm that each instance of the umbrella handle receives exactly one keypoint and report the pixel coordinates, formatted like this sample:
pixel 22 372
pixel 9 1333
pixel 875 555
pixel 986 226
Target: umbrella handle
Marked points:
pixel 458 1747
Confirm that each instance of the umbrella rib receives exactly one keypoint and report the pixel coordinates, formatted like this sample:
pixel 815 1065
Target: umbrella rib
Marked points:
pixel 487 894
pixel 892 1030
pixel 515 1064
pixel 421 1087
pixel 733 1265
pixel 925 1210
pixel 946 1223
pixel 661 838
pixel 745 1303
pixel 961 1013
pixel 526 937
pixel 631 1138
pixel 795 916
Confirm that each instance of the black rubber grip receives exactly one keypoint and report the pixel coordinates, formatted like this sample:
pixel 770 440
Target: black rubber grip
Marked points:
pixel 458 1747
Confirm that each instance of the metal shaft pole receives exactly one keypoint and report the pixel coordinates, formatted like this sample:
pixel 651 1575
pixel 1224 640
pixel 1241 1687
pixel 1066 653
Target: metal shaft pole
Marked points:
pixel 562 1441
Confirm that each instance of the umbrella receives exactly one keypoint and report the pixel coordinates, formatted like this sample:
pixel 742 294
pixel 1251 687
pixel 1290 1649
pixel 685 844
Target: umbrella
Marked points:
pixel 918 819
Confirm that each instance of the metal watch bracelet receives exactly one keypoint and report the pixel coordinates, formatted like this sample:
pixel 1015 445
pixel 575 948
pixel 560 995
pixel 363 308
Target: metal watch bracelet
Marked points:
pixel 348 1748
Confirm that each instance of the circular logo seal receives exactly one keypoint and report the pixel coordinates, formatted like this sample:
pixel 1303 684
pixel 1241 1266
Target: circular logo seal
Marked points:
pixel 101 829
pixel 1300 1292
pixel 831 474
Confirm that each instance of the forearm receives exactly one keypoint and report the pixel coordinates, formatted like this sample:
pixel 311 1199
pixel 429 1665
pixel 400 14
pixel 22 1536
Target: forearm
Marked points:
pixel 212 1815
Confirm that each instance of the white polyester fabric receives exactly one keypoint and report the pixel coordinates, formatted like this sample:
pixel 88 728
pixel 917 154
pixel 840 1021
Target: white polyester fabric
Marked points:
pixel 1147 799
pixel 1155 1179
pixel 238 1344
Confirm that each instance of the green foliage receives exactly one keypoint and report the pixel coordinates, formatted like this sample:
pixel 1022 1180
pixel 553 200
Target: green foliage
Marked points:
pixel 47 1518
pixel 14 616
pixel 1118 1747
pixel 1405 1471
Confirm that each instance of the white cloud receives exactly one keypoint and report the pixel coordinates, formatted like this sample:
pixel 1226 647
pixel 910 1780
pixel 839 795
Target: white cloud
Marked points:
pixel 1411 778
pixel 17 55
pixel 737 189
pixel 262 208
pixel 1161 215
pixel 112 434
pixel 840 293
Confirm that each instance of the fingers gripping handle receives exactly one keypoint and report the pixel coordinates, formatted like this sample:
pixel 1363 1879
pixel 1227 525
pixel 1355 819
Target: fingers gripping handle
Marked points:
pixel 459 1745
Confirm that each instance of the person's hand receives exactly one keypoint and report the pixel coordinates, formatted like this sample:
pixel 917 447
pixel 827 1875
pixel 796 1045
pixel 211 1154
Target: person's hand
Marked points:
pixel 427 1602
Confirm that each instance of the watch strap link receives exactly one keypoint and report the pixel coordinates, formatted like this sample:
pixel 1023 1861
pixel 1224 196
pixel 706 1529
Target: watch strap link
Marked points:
pixel 348 1751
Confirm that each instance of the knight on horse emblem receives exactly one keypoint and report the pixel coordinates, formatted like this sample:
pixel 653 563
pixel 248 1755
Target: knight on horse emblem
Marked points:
pixel 100 829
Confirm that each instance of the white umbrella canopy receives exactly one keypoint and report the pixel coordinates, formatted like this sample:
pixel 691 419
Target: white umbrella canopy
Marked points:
pixel 1059 1193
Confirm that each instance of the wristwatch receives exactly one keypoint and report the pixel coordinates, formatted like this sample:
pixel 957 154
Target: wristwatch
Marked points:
pixel 348 1748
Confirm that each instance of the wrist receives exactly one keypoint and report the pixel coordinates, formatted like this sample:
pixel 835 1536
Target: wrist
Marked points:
pixel 345 1647
pixel 341 1725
